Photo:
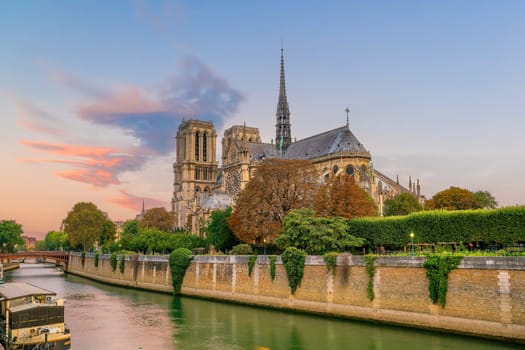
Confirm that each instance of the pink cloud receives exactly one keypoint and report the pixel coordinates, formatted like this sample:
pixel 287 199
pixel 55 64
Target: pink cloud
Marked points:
pixel 97 178
pixel 151 117
pixel 129 201
pixel 69 150
pixel 98 166
pixel 129 100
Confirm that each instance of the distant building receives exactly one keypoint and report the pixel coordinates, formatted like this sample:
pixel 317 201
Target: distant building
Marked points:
pixel 29 242
pixel 139 216
pixel 200 186
pixel 119 227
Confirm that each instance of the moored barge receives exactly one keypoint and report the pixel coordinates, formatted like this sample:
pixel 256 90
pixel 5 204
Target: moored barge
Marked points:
pixel 32 318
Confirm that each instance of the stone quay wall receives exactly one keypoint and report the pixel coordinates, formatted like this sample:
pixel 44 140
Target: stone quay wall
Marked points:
pixel 148 272
pixel 486 295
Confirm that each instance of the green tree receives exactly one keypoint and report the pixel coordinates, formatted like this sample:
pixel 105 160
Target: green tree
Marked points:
pixel 402 204
pixel 454 198
pixel 10 236
pixel 149 241
pixel 55 240
pixel 316 235
pixel 152 241
pixel 109 231
pixel 158 218
pixel 83 225
pixel 486 200
pixel 218 232
pixel 130 229
pixel 185 240
pixel 341 197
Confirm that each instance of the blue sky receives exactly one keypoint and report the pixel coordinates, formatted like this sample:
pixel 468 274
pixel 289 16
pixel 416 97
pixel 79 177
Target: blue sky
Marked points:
pixel 91 92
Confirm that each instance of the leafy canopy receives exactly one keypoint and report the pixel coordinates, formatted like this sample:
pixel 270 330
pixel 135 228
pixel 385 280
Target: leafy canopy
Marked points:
pixel 277 187
pixel 55 240
pixel 341 197
pixel 218 232
pixel 316 235
pixel 152 241
pixel 485 200
pixel 10 236
pixel 84 225
pixel 158 218
pixel 402 204
pixel 454 198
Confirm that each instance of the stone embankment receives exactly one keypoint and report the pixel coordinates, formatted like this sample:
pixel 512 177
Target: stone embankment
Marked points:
pixel 486 295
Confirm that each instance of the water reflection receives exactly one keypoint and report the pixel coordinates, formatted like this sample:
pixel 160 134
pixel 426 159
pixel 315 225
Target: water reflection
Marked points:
pixel 107 317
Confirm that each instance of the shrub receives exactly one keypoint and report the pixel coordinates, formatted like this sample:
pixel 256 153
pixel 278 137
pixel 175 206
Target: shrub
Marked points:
pixel 113 261
pixel 251 263
pixel 179 261
pixel 272 266
pixel 122 263
pixel 370 261
pixel 438 268
pixel 331 260
pixel 242 249
pixel 293 260
pixel 186 240
pixel 316 235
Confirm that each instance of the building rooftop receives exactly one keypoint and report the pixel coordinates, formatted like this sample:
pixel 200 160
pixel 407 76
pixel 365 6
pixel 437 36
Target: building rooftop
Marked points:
pixel 340 140
pixel 19 289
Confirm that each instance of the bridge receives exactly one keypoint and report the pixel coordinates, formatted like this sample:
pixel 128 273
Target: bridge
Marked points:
pixel 58 257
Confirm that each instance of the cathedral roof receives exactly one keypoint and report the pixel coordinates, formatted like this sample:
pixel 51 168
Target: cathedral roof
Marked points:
pixel 258 151
pixel 333 141
pixel 217 201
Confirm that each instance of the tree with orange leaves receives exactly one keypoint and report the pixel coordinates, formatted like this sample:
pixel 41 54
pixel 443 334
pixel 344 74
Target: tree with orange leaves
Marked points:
pixel 277 187
pixel 341 197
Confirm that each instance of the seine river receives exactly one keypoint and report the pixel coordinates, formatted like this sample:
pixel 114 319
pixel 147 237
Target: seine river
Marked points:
pixel 105 317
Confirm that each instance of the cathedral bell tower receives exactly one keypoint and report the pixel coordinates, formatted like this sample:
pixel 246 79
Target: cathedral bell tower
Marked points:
pixel 195 170
pixel 283 137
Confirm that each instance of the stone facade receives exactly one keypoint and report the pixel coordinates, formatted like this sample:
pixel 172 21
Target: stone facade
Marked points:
pixel 195 170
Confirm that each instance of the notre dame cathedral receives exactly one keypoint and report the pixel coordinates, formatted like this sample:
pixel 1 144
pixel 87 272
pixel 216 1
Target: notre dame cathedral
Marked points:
pixel 200 186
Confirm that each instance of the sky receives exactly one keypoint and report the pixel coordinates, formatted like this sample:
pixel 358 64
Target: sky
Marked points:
pixel 92 92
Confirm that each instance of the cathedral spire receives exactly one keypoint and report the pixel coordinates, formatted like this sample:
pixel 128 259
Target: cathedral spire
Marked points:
pixel 283 136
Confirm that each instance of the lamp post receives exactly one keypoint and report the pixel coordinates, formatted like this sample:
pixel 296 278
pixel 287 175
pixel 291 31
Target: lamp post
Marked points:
pixel 264 242
pixel 412 243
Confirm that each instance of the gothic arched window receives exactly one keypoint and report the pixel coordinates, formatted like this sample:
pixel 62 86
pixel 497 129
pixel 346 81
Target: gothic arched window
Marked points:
pixel 197 146
pixel 204 147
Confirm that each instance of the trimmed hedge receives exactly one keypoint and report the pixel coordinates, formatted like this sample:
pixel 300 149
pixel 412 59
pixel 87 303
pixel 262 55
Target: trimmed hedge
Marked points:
pixel 179 261
pixel 506 226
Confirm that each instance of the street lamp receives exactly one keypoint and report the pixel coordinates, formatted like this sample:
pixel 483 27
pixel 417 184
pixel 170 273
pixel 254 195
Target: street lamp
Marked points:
pixel 264 242
pixel 412 243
